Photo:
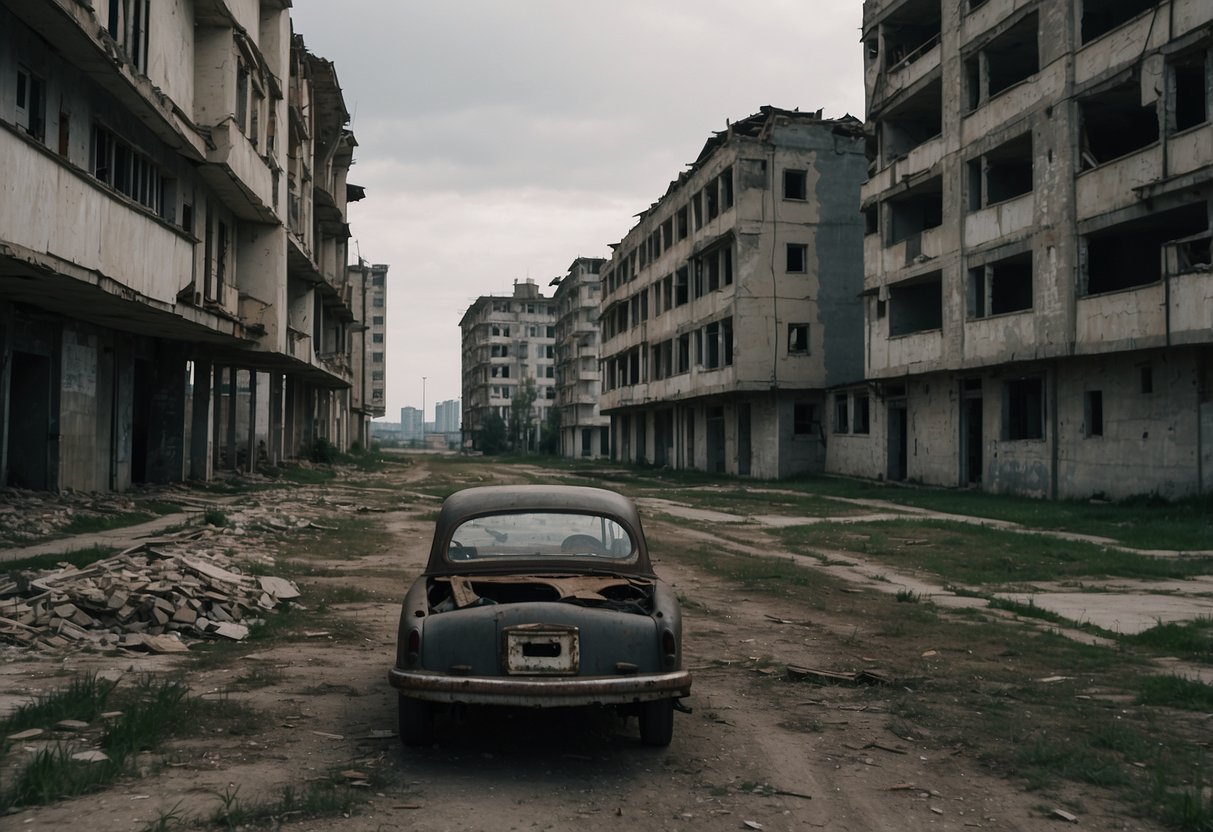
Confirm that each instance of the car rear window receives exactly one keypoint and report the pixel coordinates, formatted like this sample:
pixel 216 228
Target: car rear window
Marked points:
pixel 540 534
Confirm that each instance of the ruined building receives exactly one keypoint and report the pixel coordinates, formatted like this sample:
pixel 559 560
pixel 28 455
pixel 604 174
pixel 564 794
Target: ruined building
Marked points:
pixel 368 348
pixel 173 284
pixel 1038 288
pixel 508 341
pixel 584 432
pixel 733 303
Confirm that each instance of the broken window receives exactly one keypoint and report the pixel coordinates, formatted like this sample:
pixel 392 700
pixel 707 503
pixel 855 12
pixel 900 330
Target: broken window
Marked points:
pixel 712 266
pixel 840 413
pixel 242 84
pixel 667 233
pixel 1023 415
pixel 1102 16
pixel 798 258
pixel 726 189
pixel 682 289
pixel 798 339
pixel 726 265
pixel 1003 62
pixel 711 200
pixel 667 291
pixel 726 340
pixel 697 265
pixel 910 31
pixel 680 223
pixel 916 304
pixel 697 209
pixel 871 219
pixel 1093 413
pixel 684 353
pixel 1189 92
pixel 31 104
pixel 916 210
pixel 912 122
pixel 804 419
pixel 1001 286
pixel 861 415
pixel 1001 174
pixel 711 346
pixel 1131 254
pixel 128 27
pixel 1114 124
pixel 795 184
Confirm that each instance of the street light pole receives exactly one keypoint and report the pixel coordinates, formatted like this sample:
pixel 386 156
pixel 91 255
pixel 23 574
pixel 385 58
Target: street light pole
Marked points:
pixel 423 410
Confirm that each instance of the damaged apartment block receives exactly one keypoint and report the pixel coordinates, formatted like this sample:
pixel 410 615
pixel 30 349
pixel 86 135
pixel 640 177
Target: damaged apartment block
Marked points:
pixel 173 290
pixel 1038 285
pixel 733 304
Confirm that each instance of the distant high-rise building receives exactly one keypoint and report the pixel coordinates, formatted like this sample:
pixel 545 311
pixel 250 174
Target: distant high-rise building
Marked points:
pixel 447 416
pixel 412 425
pixel 508 344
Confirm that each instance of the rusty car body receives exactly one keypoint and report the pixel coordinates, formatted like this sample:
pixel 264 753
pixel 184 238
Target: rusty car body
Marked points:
pixel 539 596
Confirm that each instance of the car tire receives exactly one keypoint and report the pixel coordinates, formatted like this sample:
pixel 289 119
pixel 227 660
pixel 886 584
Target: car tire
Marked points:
pixel 416 722
pixel 657 722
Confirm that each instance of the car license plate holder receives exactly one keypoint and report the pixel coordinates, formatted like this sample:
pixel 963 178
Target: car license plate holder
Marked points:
pixel 541 650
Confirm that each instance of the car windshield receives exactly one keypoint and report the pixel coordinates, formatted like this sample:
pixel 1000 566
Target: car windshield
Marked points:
pixel 541 534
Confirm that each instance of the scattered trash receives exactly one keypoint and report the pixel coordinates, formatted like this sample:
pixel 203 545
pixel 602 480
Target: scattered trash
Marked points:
pixel 1062 814
pixel 796 673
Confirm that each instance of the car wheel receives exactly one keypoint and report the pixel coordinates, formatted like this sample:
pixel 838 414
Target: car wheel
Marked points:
pixel 657 722
pixel 416 721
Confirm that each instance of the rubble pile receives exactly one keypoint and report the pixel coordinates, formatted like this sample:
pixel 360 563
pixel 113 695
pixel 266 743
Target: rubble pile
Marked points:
pixel 144 598
pixel 29 516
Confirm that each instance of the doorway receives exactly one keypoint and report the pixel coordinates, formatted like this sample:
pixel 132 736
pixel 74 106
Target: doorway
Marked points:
pixel 971 463
pixel 29 424
pixel 898 439
pixel 715 440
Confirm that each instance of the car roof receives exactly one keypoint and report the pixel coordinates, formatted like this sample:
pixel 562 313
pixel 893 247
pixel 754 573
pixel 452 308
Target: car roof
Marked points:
pixel 495 499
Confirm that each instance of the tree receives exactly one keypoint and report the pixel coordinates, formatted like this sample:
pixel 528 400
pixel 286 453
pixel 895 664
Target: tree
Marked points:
pixel 492 436
pixel 549 442
pixel 522 417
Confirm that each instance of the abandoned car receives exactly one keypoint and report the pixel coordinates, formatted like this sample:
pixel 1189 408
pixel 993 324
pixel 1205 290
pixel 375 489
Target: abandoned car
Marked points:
pixel 539 596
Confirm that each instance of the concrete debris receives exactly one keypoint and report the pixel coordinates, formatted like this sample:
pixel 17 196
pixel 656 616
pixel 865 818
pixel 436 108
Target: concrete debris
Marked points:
pixel 146 598
pixel 831 677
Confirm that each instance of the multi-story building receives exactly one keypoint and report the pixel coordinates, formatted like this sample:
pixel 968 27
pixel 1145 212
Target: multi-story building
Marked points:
pixel 508 346
pixel 412 424
pixel 447 414
pixel 172 241
pixel 368 396
pixel 1039 294
pixel 734 302
pixel 584 432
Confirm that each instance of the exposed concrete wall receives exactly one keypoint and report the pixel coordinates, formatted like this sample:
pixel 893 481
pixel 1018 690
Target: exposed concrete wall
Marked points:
pixel 171 50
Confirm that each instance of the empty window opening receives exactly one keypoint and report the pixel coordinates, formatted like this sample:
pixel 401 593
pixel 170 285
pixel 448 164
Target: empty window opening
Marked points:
pixel 1023 409
pixel 861 415
pixel 682 289
pixel 1001 287
pixel 916 305
pixel 697 209
pixel 711 200
pixel 684 353
pixel 128 27
pixel 804 419
pixel 1114 124
pixel 1001 174
pixel 1093 412
pixel 798 257
pixel 726 265
pixel 917 210
pixel 31 104
pixel 667 233
pixel 795 184
pixel 1147 380
pixel 1188 254
pixel 871 219
pixel 798 339
pixel 680 223
pixel 914 121
pixel 840 413
pixel 1131 254
pixel 1190 91
pixel 1102 16
pixel 1005 61
pixel 911 31
pixel 726 189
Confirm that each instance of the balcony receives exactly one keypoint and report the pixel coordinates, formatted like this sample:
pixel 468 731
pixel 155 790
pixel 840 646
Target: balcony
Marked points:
pixel 1110 186
pixel 240 176
pixel 1001 220
pixel 1000 340
pixel 1126 320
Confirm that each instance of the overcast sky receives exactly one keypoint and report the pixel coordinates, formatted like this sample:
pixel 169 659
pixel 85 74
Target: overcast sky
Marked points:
pixel 501 139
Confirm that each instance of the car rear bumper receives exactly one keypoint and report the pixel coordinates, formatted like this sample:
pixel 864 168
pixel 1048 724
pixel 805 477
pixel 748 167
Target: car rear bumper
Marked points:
pixel 534 692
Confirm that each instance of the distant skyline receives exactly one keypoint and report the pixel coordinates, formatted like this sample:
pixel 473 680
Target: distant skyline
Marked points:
pixel 499 142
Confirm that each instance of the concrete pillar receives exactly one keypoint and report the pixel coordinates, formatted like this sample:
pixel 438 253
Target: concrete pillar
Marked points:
pixel 252 421
pixel 166 422
pixel 216 414
pixel 275 430
pixel 200 425
pixel 231 418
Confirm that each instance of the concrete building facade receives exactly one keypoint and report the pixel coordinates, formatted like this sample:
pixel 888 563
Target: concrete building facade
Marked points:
pixel 1038 280
pixel 172 214
pixel 584 431
pixel 733 304
pixel 508 343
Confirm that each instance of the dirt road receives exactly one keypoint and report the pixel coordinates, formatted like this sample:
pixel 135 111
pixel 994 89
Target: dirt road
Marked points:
pixel 758 752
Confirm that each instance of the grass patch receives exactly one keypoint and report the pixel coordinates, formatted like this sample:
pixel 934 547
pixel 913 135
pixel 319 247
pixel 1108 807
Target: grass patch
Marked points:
pixel 92 523
pixel 1030 610
pixel 150 712
pixel 946 549
pixel 42 563
pixel 1186 639
pixel 1172 691
pixel 317 799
